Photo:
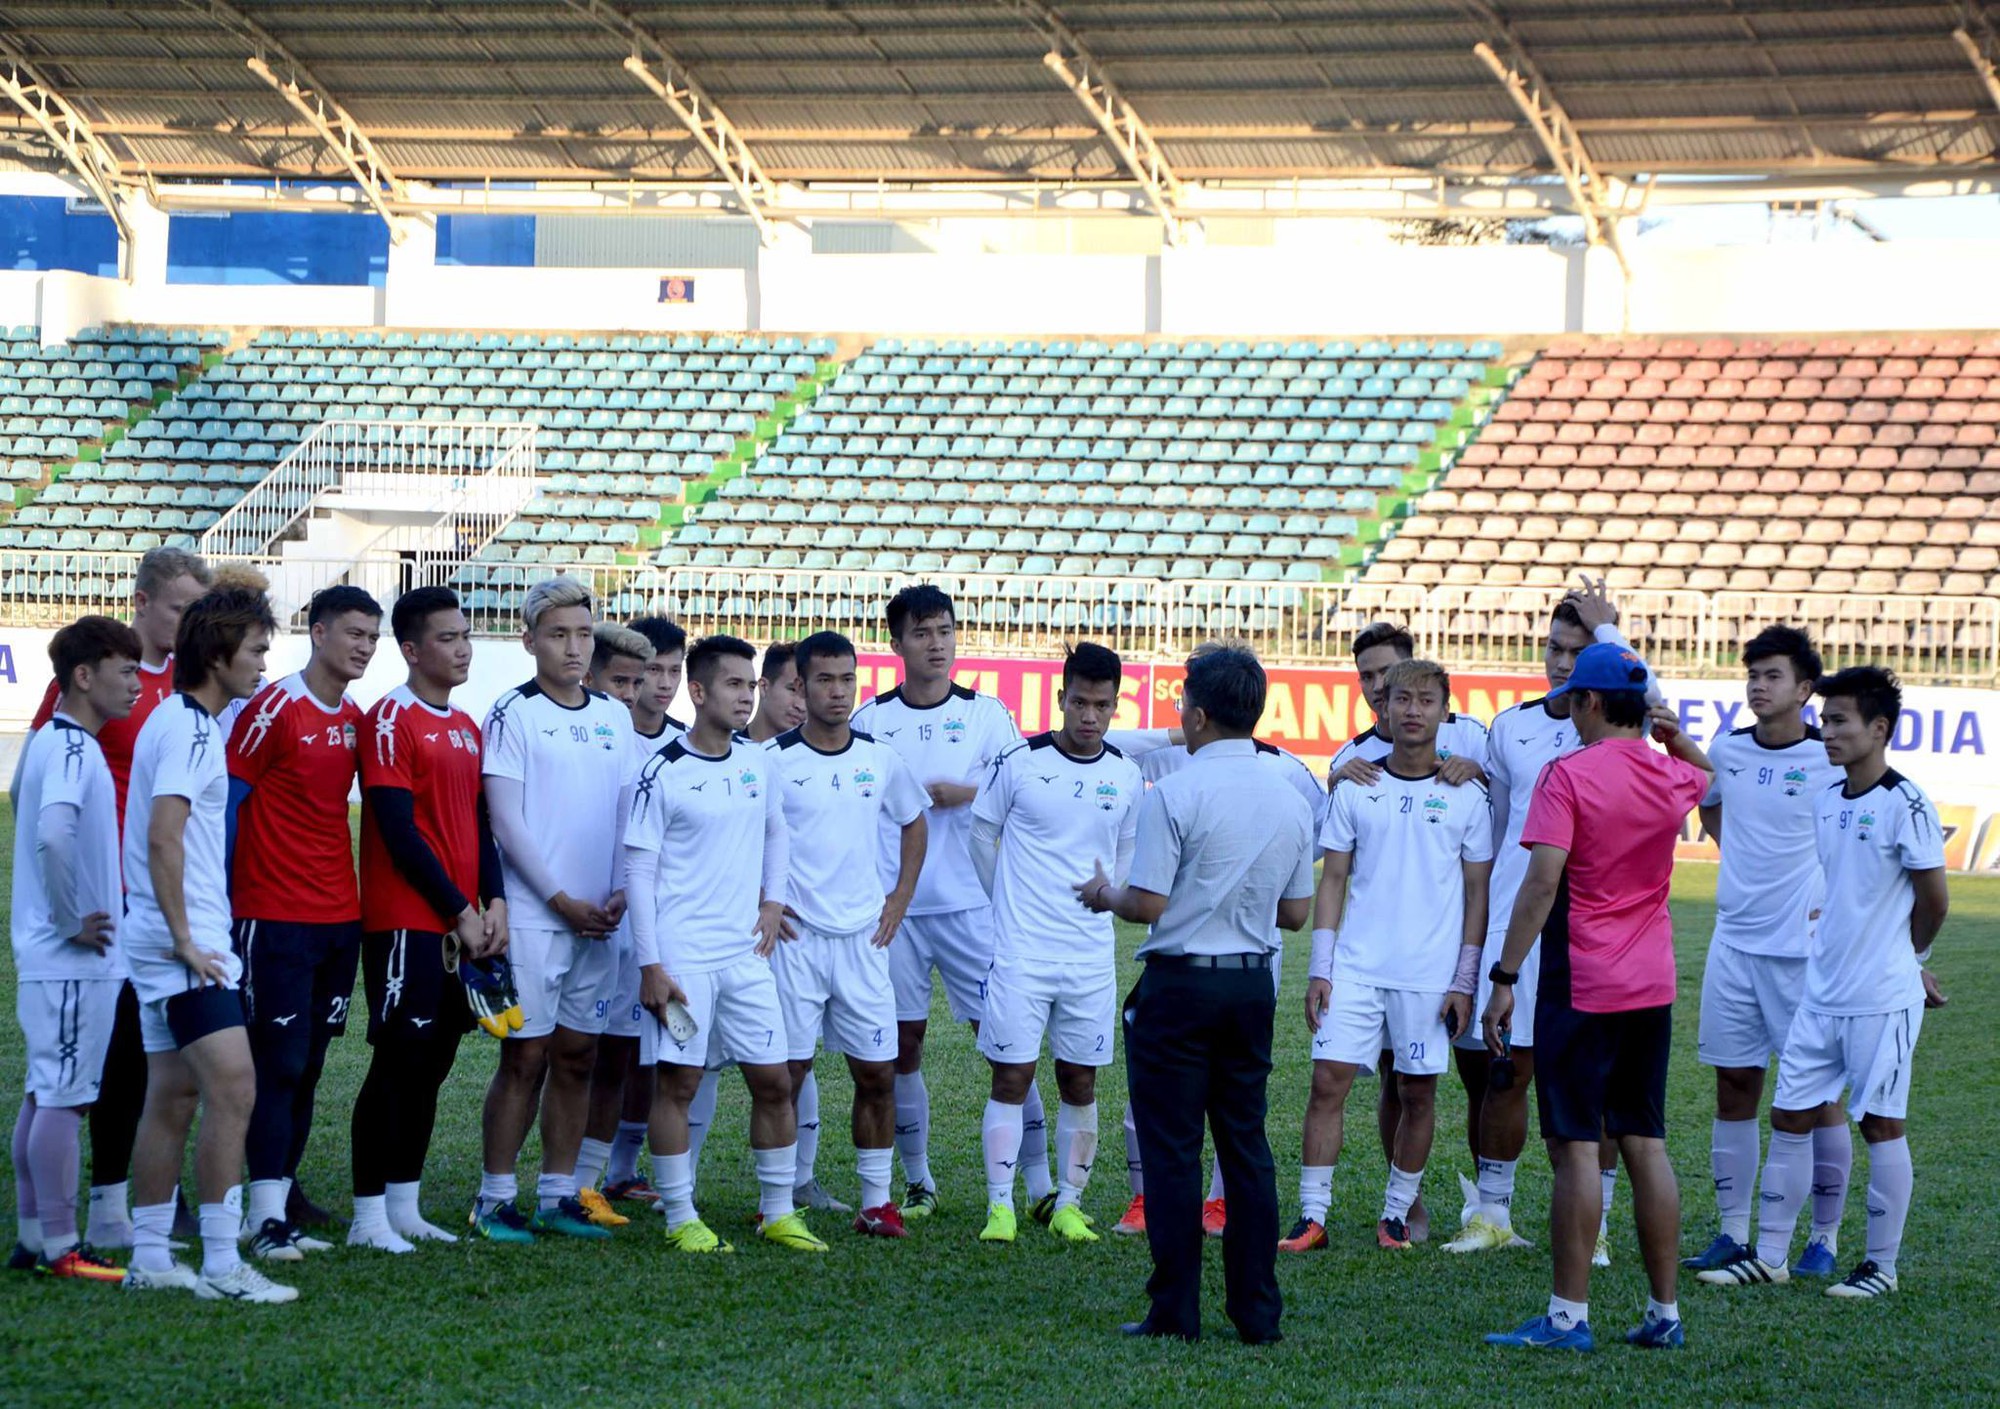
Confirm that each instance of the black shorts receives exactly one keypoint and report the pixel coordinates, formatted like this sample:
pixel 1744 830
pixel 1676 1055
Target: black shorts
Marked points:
pixel 294 971
pixel 411 995
pixel 1602 1073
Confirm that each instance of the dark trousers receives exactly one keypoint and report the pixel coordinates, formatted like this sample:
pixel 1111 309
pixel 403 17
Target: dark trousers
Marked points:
pixel 1198 1043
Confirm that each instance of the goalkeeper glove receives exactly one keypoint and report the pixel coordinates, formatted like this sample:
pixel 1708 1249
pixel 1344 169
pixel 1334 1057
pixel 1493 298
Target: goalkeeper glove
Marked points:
pixel 489 992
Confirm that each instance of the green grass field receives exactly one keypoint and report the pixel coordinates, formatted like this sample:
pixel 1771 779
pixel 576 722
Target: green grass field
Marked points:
pixel 941 1318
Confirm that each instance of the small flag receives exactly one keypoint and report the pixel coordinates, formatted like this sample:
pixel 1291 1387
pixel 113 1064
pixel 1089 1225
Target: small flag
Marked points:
pixel 676 288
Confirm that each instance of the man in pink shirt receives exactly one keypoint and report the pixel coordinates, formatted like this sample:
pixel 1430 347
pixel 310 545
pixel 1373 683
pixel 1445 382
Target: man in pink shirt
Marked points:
pixel 1600 836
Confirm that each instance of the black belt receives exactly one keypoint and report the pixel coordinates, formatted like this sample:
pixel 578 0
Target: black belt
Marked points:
pixel 1210 961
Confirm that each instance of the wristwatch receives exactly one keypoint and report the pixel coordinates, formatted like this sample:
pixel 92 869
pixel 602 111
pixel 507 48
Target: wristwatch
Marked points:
pixel 1502 977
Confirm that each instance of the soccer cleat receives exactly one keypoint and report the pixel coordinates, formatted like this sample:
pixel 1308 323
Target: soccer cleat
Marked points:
pixel 1469 1202
pixel 302 1212
pixel 1655 1334
pixel 503 1223
pixel 82 1263
pixel 569 1218
pixel 791 1232
pixel 1392 1233
pixel 1601 1256
pixel 380 1236
pixel 1864 1282
pixel 813 1195
pixel 305 1242
pixel 21 1259
pixel 1745 1269
pixel 1069 1224
pixel 1816 1261
pixel 696 1236
pixel 276 1242
pixel 1000 1224
pixel 245 1283
pixel 1307 1235
pixel 1133 1224
pixel 882 1221
pixel 599 1211
pixel 1724 1249
pixel 1044 1208
pixel 175 1277
pixel 919 1201
pixel 632 1191
pixel 1482 1234
pixel 1214 1217
pixel 1541 1333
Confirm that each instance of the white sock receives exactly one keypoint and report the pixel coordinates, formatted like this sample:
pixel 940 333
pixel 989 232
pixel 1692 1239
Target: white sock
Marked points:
pixel 54 1246
pixel 552 1189
pixel 1833 1161
pixel 1787 1186
pixel 625 1148
pixel 874 1167
pixel 701 1116
pixel 1135 1168
pixel 267 1201
pixel 28 1231
pixel 1034 1152
pixel 1000 1135
pixel 219 1225
pixel 1662 1310
pixel 1215 1190
pixel 1568 1315
pixel 109 1222
pixel 1401 1193
pixel 591 1157
pixel 406 1213
pixel 1496 1191
pixel 1733 1148
pixel 676 1187
pixel 152 1225
pixel 913 1127
pixel 496 1189
pixel 1891 1180
pixel 370 1228
pixel 371 1211
pixel 1315 1192
pixel 777 1176
pixel 1608 1178
pixel 808 1128
pixel 1076 1146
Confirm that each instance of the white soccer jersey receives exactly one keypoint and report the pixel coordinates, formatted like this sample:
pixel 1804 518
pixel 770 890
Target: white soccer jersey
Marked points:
pixel 1058 816
pixel 1405 915
pixel 62 766
pixel 953 741
pixel 1525 739
pixel 713 822
pixel 1771 881
pixel 836 805
pixel 1157 759
pixel 570 764
pixel 180 753
pixel 1460 736
pixel 1861 959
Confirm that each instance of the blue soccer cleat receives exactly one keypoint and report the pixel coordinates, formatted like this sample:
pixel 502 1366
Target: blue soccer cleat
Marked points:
pixel 1541 1333
pixel 1723 1249
pixel 1816 1261
pixel 1655 1334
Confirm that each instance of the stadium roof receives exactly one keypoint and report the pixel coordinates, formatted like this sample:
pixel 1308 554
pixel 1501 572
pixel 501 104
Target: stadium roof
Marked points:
pixel 1157 93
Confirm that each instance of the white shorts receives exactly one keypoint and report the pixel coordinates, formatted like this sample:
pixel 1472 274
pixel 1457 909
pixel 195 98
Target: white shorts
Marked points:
pixel 157 976
pixel 837 984
pixel 626 1018
pixel 737 1019
pixel 1869 1057
pixel 67 1023
pixel 562 980
pixel 1747 1005
pixel 959 945
pixel 1521 1026
pixel 1075 1004
pixel 1363 1021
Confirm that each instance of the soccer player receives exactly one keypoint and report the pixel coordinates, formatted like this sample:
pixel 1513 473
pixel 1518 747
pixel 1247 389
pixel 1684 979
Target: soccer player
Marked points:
pixel 177 951
pixel 430 880
pixel 1052 802
pixel 1856 1029
pixel 837 786
pixel 556 756
pixel 1768 777
pixel 293 759
pixel 707 856
pixel 781 697
pixel 947 736
pixel 167 580
pixel 65 896
pixel 1524 739
pixel 1396 953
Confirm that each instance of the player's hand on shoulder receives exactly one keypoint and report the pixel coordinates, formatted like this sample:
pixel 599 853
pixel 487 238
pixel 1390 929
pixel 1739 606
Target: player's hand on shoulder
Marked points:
pixel 1319 997
pixel 1460 769
pixel 1357 770
pixel 1933 995
pixel 95 934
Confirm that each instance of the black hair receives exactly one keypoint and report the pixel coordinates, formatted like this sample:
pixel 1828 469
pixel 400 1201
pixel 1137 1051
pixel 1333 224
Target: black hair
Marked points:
pixel 330 602
pixel 213 629
pixel 1624 708
pixel 776 656
pixel 411 615
pixel 821 645
pixel 1791 643
pixel 1876 692
pixel 1229 686
pixel 918 602
pixel 91 640
pixel 1385 633
pixel 1568 615
pixel 1089 663
pixel 710 651
pixel 664 635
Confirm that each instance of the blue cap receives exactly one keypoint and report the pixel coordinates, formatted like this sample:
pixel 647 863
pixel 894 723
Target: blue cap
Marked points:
pixel 1605 666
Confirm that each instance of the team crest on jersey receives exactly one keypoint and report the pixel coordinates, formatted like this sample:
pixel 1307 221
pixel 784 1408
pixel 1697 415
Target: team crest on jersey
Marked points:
pixel 1107 796
pixel 348 738
pixel 748 778
pixel 1863 823
pixel 1795 779
pixel 1435 809
pixel 864 781
pixel 606 736
pixel 954 731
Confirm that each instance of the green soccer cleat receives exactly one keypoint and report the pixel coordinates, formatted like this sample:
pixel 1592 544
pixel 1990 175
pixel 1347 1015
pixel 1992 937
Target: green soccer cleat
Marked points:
pixel 569 1218
pixel 1000 1225
pixel 919 1201
pixel 696 1236
pixel 502 1223
pixel 1069 1224
pixel 791 1232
